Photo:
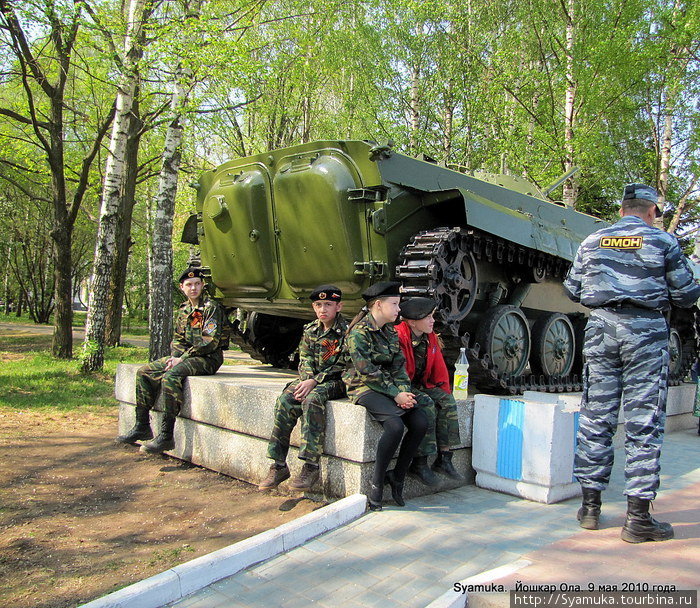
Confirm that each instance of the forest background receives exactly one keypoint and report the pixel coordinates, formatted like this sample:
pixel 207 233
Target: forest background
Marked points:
pixel 109 109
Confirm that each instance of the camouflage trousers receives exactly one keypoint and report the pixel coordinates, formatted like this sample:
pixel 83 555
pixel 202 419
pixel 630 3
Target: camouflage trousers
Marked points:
pixel 443 426
pixel 626 368
pixel 312 411
pixel 152 377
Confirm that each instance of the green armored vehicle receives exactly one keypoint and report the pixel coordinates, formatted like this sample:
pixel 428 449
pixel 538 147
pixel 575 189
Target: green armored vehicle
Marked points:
pixel 491 250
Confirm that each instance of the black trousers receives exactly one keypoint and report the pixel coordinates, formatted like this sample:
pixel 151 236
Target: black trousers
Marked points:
pixel 413 421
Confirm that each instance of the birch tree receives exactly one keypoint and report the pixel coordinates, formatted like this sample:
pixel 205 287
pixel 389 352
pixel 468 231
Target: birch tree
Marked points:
pixel 93 346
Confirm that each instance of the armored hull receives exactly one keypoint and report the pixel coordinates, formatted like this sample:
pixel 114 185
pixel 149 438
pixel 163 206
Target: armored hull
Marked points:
pixel 491 250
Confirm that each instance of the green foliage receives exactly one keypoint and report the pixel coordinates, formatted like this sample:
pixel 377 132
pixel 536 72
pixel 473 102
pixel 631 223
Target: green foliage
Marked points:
pixel 33 379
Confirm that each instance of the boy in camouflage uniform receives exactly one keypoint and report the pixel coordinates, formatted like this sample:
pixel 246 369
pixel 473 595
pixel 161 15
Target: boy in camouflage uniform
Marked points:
pixel 196 350
pixel 321 364
pixel 628 274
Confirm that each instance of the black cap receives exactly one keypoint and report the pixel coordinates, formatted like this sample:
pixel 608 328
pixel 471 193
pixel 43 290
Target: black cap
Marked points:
pixel 417 308
pixel 383 289
pixel 326 292
pixel 191 273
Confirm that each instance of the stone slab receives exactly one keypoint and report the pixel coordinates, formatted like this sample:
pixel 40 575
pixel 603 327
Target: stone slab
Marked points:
pixel 242 398
pixel 245 457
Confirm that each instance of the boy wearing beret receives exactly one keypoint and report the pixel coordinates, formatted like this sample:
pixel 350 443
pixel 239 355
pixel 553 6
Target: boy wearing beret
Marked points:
pixel 199 340
pixel 321 365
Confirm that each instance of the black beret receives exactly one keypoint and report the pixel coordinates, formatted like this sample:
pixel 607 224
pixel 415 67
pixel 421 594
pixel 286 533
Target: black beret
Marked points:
pixel 417 308
pixel 383 289
pixel 191 273
pixel 326 292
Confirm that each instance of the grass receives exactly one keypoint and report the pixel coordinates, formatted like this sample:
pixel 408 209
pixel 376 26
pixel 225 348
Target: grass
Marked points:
pixel 32 379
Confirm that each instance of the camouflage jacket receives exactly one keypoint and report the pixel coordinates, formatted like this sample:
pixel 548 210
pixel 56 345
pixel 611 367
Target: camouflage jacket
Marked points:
pixel 199 330
pixel 375 360
pixel 631 264
pixel 321 354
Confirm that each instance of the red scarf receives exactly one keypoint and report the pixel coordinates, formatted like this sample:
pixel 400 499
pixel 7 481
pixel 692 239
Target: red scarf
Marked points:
pixel 435 374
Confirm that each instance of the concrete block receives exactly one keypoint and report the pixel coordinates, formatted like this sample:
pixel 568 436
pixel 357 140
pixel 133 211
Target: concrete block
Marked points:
pixel 525 447
pixel 152 592
pixel 245 457
pixel 242 398
pixel 226 421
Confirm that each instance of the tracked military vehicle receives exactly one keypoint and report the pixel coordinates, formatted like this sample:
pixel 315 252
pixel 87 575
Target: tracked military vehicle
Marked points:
pixel 490 249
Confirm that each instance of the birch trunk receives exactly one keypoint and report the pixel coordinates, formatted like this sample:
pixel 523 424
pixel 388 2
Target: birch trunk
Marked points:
pixel 93 346
pixel 160 317
pixel 415 107
pixel 123 236
pixel 569 194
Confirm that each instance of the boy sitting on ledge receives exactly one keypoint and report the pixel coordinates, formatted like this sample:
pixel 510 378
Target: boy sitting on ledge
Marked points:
pixel 321 364
pixel 196 350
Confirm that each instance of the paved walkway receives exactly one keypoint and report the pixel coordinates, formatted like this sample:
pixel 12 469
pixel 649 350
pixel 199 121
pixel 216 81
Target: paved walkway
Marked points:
pixel 408 557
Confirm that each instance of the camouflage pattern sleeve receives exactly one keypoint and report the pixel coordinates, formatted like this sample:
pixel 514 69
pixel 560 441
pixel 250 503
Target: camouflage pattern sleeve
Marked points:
pixel 206 340
pixel 179 345
pixel 683 289
pixel 572 283
pixel 306 354
pixel 372 363
pixel 398 374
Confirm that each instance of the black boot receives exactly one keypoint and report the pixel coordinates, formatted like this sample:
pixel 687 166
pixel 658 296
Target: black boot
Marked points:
pixel 396 487
pixel 640 526
pixel 443 463
pixel 419 467
pixel 589 512
pixel 140 431
pixel 375 497
pixel 164 441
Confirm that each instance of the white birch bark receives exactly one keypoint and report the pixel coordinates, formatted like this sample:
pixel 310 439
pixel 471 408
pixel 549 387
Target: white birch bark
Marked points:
pixel 105 247
pixel 569 194
pixel 160 309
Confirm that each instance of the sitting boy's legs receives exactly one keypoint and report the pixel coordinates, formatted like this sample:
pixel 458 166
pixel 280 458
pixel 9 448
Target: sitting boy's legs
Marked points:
pixel 287 412
pixel 419 467
pixel 446 431
pixel 172 382
pixel 148 379
pixel 313 431
pixel 312 411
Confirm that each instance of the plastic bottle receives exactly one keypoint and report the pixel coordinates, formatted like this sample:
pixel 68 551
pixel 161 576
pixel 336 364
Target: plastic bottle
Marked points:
pixel 461 377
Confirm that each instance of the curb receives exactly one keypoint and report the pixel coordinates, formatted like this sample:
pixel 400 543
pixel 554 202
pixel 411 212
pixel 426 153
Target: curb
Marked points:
pixel 180 581
pixel 475 592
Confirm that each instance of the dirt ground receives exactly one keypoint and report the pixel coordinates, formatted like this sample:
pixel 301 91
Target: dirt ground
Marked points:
pixel 81 516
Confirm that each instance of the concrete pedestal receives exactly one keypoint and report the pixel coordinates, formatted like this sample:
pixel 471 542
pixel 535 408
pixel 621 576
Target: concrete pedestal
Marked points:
pixel 525 445
pixel 227 419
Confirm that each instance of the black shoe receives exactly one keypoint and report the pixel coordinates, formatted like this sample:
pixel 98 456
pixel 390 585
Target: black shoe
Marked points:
pixel 307 477
pixel 374 498
pixel 275 476
pixel 640 526
pixel 396 488
pixel 419 467
pixel 164 441
pixel 443 464
pixel 589 513
pixel 141 431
